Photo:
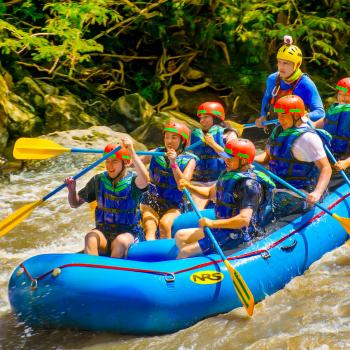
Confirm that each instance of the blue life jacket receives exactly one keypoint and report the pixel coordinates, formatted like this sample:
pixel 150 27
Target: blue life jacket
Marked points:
pixel 115 204
pixel 210 165
pixel 227 204
pixel 163 179
pixel 300 174
pixel 337 123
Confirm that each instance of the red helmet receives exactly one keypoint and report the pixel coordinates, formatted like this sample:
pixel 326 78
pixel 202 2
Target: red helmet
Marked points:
pixel 215 109
pixel 290 104
pixel 180 129
pixel 122 154
pixel 344 85
pixel 241 148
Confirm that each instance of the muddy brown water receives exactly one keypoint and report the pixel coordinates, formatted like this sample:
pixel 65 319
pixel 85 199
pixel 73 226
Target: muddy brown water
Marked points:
pixel 311 312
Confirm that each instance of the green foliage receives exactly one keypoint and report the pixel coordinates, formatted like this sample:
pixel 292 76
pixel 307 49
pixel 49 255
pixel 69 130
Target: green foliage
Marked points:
pixel 135 46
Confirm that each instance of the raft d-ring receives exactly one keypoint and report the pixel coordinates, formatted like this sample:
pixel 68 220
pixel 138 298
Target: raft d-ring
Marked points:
pixel 265 254
pixel 170 277
pixel 34 284
pixel 56 272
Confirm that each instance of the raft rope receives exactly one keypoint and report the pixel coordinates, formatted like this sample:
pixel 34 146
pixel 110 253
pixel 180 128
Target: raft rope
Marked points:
pixel 170 276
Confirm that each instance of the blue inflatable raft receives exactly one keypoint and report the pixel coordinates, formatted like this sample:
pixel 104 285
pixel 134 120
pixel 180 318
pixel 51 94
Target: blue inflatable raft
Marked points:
pixel 153 293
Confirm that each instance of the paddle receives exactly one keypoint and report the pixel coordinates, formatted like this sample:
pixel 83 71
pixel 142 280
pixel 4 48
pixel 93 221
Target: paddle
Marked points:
pixel 244 294
pixel 332 158
pixel 20 214
pixel 240 127
pixel 345 222
pixel 330 155
pixel 34 148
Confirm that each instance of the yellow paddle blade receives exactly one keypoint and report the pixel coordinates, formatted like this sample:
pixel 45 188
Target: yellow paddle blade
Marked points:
pixel 344 221
pixel 238 127
pixel 244 294
pixel 17 217
pixel 31 148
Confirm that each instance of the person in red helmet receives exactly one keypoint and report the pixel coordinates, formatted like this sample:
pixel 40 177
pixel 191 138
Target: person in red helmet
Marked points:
pixel 118 194
pixel 295 153
pixel 241 196
pixel 163 202
pixel 214 134
pixel 337 123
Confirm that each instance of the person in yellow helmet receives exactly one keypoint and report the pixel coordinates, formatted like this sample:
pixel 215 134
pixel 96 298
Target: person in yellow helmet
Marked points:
pixel 290 80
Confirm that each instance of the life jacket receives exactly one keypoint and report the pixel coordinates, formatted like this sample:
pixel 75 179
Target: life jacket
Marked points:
pixel 298 173
pixel 277 93
pixel 337 123
pixel 210 165
pixel 162 176
pixel 227 204
pixel 115 204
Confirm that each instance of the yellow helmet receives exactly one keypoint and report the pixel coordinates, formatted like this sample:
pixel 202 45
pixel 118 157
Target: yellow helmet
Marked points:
pixel 291 53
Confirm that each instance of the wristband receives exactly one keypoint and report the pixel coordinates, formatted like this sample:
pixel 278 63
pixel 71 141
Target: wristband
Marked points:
pixel 173 166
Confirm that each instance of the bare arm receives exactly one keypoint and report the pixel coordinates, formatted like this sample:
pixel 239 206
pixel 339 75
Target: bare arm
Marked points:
pixel 322 182
pixel 142 179
pixel 209 140
pixel 264 157
pixel 207 192
pixel 236 222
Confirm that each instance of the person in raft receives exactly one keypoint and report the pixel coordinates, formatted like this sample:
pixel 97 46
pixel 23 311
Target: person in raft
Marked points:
pixel 118 193
pixel 295 153
pixel 337 123
pixel 241 196
pixel 290 80
pixel 163 202
pixel 214 135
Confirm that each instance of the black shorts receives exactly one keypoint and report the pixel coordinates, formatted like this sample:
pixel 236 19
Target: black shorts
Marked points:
pixel 159 205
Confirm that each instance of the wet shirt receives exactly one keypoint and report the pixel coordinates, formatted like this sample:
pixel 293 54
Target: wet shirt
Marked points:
pixel 250 192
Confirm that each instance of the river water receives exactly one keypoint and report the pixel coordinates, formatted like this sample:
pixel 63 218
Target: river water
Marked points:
pixel 311 312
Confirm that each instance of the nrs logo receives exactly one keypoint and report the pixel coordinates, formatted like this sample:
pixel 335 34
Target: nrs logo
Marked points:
pixel 207 277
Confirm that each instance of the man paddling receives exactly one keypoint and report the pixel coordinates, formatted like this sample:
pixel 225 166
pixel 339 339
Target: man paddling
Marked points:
pixel 295 153
pixel 118 193
pixel 241 196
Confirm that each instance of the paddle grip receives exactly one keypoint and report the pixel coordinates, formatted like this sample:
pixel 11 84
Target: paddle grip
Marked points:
pixel 83 172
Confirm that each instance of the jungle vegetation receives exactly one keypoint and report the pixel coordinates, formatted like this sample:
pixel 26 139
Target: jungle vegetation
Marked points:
pixel 113 48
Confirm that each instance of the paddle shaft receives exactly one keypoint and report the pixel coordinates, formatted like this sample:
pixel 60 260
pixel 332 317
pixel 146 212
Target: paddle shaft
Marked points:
pixel 286 184
pixel 330 155
pixel 91 150
pixel 253 125
pixel 206 229
pixel 81 173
